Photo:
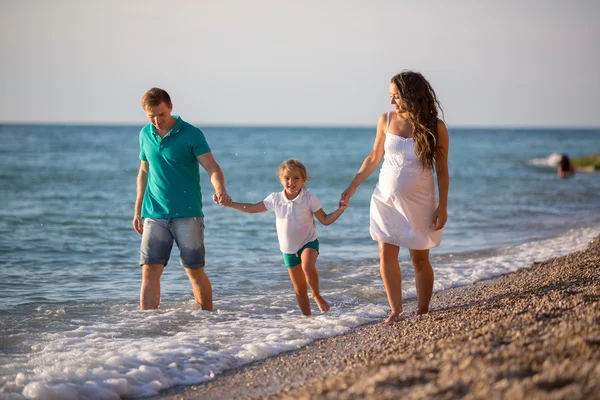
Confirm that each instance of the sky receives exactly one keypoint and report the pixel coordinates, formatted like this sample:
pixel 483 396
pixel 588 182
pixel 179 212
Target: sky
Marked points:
pixel 313 63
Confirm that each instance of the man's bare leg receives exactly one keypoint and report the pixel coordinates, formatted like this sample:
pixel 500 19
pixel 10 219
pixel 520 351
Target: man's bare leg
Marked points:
pixel 201 287
pixel 150 290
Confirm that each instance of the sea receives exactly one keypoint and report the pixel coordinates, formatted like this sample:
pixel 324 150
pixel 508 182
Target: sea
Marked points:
pixel 70 322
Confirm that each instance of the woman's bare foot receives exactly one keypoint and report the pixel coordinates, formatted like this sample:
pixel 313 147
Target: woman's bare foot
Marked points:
pixel 323 305
pixel 392 319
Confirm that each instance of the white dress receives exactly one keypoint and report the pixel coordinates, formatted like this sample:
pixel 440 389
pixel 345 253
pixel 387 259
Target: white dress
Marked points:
pixel 404 200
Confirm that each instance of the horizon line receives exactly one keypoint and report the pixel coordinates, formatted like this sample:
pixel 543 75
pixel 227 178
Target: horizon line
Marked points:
pixel 327 126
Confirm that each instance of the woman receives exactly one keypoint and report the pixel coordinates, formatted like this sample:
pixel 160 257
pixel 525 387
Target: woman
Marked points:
pixel 404 212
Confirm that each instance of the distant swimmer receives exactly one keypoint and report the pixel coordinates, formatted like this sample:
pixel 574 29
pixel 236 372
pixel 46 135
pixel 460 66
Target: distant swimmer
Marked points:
pixel 565 168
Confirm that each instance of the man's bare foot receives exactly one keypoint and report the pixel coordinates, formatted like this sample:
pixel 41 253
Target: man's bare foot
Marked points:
pixel 392 319
pixel 323 305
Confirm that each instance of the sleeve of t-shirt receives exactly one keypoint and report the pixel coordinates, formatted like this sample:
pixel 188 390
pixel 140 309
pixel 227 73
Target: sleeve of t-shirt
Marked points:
pixel 199 144
pixel 142 153
pixel 315 204
pixel 269 202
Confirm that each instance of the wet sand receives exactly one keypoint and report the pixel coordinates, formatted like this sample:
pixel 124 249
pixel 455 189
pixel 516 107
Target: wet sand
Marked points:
pixel 532 334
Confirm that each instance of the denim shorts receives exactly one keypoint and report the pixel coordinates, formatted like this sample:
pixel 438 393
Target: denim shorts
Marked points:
pixel 158 237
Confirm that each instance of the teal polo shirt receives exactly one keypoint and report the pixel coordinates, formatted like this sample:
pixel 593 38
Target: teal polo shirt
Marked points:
pixel 173 189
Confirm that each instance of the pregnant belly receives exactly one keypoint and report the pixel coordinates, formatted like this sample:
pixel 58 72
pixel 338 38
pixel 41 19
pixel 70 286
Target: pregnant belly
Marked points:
pixel 413 182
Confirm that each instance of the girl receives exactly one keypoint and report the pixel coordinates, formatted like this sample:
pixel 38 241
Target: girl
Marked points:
pixel 413 143
pixel 294 208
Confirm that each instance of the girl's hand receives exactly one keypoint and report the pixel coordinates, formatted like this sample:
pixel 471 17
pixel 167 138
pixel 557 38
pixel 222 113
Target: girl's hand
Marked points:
pixel 345 197
pixel 440 216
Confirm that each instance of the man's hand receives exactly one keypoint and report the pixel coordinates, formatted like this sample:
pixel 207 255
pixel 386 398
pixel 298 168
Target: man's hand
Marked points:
pixel 222 199
pixel 138 224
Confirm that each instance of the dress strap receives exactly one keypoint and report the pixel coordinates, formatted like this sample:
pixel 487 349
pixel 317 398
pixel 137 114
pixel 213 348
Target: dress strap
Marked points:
pixel 387 128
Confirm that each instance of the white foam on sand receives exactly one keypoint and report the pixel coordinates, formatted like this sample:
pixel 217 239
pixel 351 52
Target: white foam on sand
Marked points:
pixel 458 270
pixel 99 361
pixel 138 353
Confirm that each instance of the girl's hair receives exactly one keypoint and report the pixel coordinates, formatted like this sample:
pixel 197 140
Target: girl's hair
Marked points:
pixel 291 164
pixel 421 105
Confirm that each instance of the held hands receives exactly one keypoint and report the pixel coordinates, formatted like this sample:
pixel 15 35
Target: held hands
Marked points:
pixel 440 216
pixel 138 224
pixel 345 197
pixel 222 199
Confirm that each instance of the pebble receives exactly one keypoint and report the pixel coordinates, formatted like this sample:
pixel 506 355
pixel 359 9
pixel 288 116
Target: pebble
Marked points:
pixel 532 334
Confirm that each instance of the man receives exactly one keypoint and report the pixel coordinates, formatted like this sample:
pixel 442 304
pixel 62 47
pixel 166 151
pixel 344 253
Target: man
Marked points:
pixel 169 198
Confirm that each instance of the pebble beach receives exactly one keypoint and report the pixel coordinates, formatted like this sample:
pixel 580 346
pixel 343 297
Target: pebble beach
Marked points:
pixel 531 334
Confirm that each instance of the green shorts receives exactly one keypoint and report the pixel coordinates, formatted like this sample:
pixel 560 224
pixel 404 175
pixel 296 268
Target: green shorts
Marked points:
pixel 291 260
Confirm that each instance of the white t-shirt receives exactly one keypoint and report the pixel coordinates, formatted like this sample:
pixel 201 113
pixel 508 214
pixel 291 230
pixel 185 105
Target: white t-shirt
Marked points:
pixel 295 222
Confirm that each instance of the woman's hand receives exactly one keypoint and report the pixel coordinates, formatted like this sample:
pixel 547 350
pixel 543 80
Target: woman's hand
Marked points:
pixel 440 216
pixel 345 197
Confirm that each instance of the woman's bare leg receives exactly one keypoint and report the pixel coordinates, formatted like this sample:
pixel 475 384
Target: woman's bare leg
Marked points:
pixel 392 279
pixel 424 279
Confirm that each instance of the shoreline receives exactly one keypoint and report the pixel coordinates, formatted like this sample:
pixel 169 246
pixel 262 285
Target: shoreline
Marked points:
pixel 533 333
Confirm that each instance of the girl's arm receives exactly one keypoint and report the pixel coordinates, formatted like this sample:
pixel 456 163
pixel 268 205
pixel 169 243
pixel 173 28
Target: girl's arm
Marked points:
pixel 249 208
pixel 443 178
pixel 328 219
pixel 370 163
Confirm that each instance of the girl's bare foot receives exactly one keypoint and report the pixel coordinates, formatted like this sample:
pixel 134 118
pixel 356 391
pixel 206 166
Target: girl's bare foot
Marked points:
pixel 392 319
pixel 323 305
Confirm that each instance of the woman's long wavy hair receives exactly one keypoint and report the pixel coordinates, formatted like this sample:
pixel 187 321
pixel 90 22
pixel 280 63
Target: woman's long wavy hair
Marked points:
pixel 421 106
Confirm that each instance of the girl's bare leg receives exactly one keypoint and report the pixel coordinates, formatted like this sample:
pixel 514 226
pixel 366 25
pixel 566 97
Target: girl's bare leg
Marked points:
pixel 300 287
pixel 392 279
pixel 309 265
pixel 424 279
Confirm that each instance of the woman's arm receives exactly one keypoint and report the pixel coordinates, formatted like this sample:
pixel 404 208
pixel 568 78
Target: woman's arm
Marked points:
pixel 248 207
pixel 443 178
pixel 370 163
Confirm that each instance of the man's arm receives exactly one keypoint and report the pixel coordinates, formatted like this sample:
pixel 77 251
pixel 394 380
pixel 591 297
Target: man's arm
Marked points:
pixel 217 178
pixel 142 182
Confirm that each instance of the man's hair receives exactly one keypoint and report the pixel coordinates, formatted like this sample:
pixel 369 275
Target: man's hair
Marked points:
pixel 154 97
